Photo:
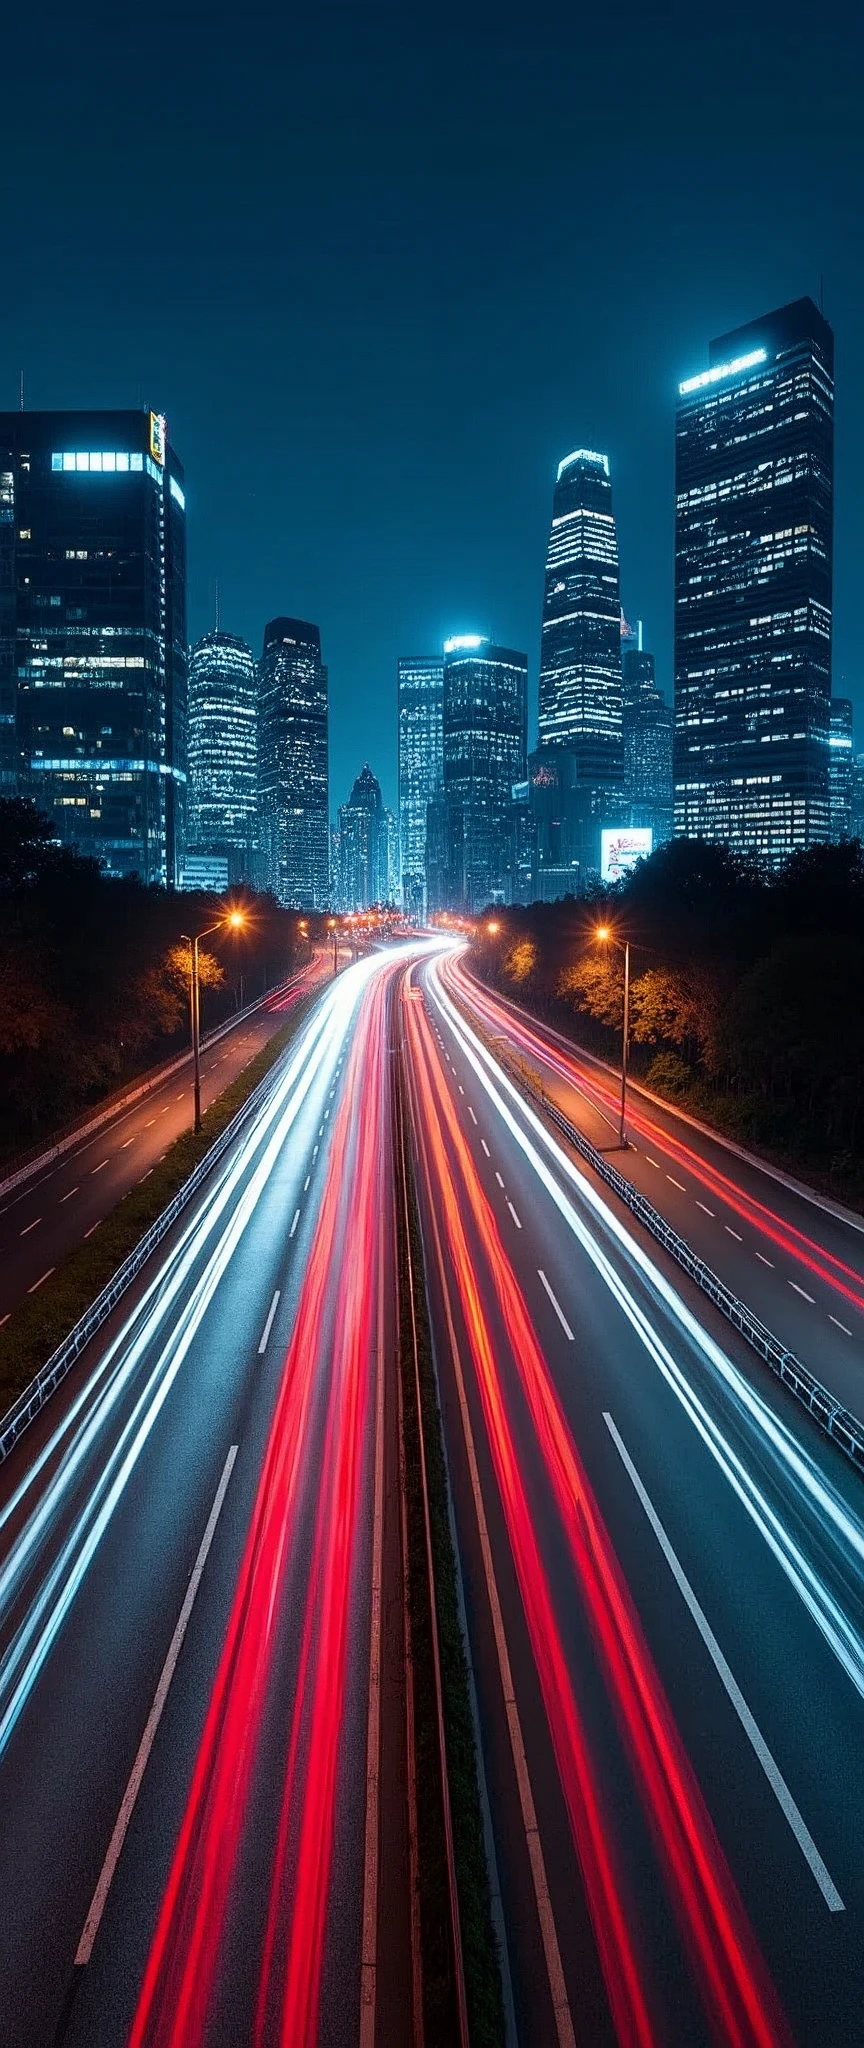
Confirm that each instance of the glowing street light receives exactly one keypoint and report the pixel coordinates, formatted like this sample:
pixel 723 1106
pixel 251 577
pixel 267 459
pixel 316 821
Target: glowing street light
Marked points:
pixel 233 920
pixel 605 933
pixel 493 926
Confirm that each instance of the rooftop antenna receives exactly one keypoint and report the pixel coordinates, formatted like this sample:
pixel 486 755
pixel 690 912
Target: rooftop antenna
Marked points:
pixel 21 399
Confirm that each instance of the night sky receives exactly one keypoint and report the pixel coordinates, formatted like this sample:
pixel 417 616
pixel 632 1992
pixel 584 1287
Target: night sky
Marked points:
pixel 383 265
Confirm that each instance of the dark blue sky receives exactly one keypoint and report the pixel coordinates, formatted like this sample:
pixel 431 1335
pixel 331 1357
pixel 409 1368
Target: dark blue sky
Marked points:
pixel 382 265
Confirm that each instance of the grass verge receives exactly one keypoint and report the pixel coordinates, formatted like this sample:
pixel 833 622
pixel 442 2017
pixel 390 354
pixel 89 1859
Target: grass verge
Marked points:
pixel 43 1320
pixel 479 1946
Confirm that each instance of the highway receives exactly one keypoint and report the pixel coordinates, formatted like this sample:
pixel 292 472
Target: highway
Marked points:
pixel 64 1202
pixel 662 1569
pixel 798 1262
pixel 201 1719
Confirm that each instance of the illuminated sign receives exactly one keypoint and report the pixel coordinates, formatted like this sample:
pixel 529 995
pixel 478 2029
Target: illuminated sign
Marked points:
pixel 464 643
pixel 158 437
pixel 721 370
pixel 583 455
pixel 621 846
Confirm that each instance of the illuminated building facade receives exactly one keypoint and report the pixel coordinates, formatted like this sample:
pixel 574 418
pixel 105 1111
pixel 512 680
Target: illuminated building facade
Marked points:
pixel 648 730
pixel 93 632
pixel 363 845
pixel 840 761
pixel 484 743
pixel 753 586
pixel 580 659
pixel 223 752
pixel 293 766
pixel 421 698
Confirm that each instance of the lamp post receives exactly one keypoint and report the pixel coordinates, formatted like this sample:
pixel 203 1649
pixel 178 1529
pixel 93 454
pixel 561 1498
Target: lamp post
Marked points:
pixel 331 923
pixel 234 919
pixel 604 934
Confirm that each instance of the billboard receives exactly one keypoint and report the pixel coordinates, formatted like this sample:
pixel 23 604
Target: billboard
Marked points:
pixel 620 848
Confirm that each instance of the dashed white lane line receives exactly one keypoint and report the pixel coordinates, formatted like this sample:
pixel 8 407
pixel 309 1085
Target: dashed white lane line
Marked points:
pixel 306 1182
pixel 839 1326
pixel 321 1130
pixel 97 1908
pixel 68 1197
pixel 128 1141
pixel 513 1214
pixel 803 1293
pixel 733 1233
pixel 653 1162
pixel 471 1114
pixel 765 1262
pixel 295 1223
pixel 98 1169
pixel 485 1148
pixel 498 1178
pixel 5 1319
pixel 44 1276
pixel 93 1226
pixel 751 1729
pixel 146 1176
pixel 676 1183
pixel 152 1121
pixel 557 1307
pixel 269 1324
pixel 705 1209
pixel 29 1226
pixel 461 1089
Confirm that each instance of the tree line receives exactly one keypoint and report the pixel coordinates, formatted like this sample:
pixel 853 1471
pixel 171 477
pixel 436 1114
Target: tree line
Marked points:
pixel 94 973
pixel 747 989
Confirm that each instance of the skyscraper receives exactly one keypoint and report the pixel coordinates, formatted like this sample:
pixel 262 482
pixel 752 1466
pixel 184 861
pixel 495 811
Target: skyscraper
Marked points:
pixel 753 575
pixel 648 726
pixel 293 766
pixel 393 883
pixel 363 845
pixel 93 632
pixel 223 754
pixel 421 696
pixel 485 719
pixel 840 755
pixel 580 661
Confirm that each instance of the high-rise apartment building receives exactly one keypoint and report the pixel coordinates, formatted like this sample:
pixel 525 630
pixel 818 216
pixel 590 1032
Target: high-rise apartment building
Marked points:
pixel 484 743
pixel 840 759
pixel 753 580
pixel 363 847
pixel 421 698
pixel 648 727
pixel 580 659
pixel 293 766
pixel 223 752
pixel 93 632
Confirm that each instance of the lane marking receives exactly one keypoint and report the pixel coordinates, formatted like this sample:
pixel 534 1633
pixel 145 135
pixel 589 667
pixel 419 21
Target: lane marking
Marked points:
pixel 765 1262
pixel 485 1148
pixel 30 1226
pixel 557 1307
pixel 461 1089
pixel 5 1319
pixel 44 1276
pixel 152 1121
pixel 102 1162
pixel 295 1223
pixel 498 1178
pixel 676 1183
pixel 513 1214
pixel 269 1324
pixel 840 1326
pixel 72 1191
pixel 127 1142
pixel 146 1176
pixel 803 1293
pixel 706 1211
pixel 471 1114
pixel 733 1233
pixel 306 1182
pixel 653 1162
pixel 93 1226
pixel 314 1151
pixel 751 1729
pixel 97 1906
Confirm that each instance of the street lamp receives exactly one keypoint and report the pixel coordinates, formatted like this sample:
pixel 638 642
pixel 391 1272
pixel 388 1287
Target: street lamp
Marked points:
pixel 234 920
pixel 604 933
pixel 493 926
pixel 331 926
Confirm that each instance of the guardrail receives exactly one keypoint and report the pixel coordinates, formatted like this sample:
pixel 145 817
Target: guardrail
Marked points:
pixel 29 1403
pixel 837 1422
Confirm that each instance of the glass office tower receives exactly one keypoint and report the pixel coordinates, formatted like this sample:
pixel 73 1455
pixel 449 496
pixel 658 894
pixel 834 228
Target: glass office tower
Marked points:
pixel 293 766
pixel 648 728
pixel 93 632
pixel 753 574
pixel 580 659
pixel 421 697
pixel 223 752
pixel 840 758
pixel 484 744
pixel 363 847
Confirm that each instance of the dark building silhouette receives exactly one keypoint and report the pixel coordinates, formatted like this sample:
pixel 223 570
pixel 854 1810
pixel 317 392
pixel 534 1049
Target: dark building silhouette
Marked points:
pixel 93 632
pixel 223 752
pixel 753 583
pixel 293 766
pixel 363 845
pixel 648 730
pixel 485 721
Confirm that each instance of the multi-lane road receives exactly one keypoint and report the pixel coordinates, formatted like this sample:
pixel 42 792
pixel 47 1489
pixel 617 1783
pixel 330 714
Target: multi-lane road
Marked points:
pixel 203 1768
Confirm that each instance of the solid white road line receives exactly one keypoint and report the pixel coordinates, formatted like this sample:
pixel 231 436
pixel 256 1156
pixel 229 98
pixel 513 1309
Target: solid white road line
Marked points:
pixel 127 1804
pixel 295 1223
pixel 676 1183
pixel 557 1307
pixel 751 1729
pixel 269 1324
pixel 839 1326
pixel 485 1148
pixel 765 1262
pixel 705 1210
pixel 803 1293
pixel 513 1214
